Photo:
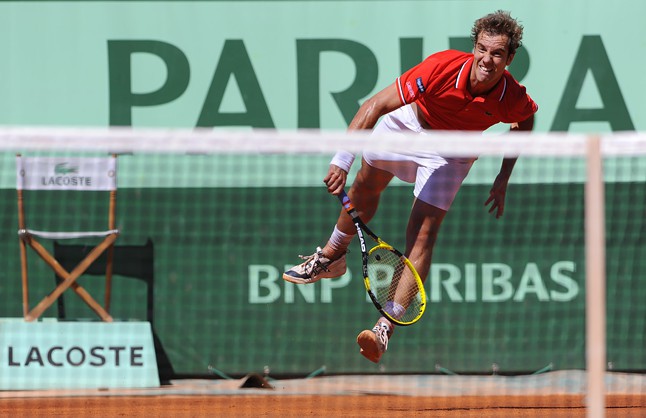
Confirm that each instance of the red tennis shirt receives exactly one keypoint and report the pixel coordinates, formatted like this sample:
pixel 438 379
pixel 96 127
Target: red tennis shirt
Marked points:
pixel 439 86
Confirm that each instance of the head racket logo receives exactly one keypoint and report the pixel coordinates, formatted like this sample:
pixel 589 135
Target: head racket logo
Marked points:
pixel 362 240
pixel 65 168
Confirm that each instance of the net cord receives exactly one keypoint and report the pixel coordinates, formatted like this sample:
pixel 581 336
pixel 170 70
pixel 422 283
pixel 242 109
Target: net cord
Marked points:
pixel 126 140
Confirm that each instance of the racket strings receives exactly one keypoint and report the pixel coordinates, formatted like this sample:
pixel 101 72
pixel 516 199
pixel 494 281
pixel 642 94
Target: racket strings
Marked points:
pixel 394 285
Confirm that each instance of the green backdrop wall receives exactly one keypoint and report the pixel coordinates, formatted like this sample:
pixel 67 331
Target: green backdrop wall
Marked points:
pixel 509 292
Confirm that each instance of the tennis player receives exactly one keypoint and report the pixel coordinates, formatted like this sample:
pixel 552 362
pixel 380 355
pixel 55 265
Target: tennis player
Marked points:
pixel 449 90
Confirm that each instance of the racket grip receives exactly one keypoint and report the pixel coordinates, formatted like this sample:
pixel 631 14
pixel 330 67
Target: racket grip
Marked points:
pixel 345 200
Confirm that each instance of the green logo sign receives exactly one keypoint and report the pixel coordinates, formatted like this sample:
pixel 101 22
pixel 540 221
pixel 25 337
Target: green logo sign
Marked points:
pixel 64 168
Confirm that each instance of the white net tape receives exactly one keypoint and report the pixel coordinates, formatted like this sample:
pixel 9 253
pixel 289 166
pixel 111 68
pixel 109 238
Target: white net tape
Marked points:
pixel 127 140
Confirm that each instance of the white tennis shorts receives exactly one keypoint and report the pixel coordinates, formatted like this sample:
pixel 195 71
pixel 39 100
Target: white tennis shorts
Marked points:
pixel 437 179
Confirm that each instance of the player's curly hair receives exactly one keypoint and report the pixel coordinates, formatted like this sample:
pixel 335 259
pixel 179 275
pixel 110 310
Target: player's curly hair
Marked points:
pixel 499 23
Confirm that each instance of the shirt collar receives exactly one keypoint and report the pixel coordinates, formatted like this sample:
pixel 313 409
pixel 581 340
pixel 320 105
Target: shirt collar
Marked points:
pixel 463 76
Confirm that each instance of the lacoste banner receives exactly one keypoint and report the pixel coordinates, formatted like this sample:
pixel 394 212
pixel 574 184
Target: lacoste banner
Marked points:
pixel 76 355
pixel 43 173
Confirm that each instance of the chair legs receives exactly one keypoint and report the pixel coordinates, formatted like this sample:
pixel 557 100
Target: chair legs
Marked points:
pixel 69 279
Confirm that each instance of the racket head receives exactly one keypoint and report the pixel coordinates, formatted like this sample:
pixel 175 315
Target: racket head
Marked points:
pixel 394 285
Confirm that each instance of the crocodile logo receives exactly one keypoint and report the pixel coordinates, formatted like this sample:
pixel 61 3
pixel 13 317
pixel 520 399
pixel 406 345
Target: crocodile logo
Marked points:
pixel 64 168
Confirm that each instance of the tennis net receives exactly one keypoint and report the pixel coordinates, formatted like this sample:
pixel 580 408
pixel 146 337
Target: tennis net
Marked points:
pixel 229 211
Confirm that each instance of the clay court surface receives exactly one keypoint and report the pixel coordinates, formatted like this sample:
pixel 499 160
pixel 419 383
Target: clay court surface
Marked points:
pixel 315 406
pixel 554 394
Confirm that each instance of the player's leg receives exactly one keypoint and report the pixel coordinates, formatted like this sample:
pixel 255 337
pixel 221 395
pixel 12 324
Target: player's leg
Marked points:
pixel 329 262
pixel 437 185
pixel 421 233
pixel 377 169
pixel 365 193
pixel 438 181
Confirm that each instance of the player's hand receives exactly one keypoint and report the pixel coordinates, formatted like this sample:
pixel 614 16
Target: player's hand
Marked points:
pixel 497 196
pixel 335 179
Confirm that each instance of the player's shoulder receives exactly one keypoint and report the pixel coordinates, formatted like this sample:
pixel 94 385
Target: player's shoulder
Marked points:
pixel 512 84
pixel 451 55
pixel 515 94
pixel 447 61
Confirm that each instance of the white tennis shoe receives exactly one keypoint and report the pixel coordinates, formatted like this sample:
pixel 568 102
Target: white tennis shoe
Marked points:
pixel 374 342
pixel 314 268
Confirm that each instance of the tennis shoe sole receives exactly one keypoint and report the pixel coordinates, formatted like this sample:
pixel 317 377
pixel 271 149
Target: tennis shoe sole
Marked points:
pixel 367 340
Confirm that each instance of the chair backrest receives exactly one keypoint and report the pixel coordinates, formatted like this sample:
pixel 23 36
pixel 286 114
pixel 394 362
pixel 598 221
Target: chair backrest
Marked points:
pixel 66 174
pixel 133 261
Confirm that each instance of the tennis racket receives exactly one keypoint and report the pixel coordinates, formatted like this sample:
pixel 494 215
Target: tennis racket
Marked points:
pixel 393 284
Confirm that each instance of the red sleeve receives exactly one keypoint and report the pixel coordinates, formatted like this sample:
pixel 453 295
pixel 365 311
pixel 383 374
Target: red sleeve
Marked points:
pixel 518 104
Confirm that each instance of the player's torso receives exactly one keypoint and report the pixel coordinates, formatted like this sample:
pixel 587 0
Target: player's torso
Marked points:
pixel 445 102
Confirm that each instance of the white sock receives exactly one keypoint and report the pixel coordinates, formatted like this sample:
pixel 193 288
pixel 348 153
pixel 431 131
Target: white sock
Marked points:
pixel 339 241
pixel 394 309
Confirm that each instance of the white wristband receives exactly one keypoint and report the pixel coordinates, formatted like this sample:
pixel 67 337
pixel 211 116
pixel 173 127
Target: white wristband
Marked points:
pixel 343 159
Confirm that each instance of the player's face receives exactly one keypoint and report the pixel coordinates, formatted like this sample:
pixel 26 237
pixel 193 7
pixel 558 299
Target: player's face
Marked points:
pixel 491 56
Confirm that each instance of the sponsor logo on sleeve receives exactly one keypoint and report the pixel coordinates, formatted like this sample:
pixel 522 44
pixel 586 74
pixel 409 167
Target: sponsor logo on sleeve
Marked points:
pixel 411 91
pixel 420 85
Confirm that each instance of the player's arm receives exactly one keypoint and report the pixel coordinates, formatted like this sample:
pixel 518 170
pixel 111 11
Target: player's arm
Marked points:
pixel 369 113
pixel 375 107
pixel 499 189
